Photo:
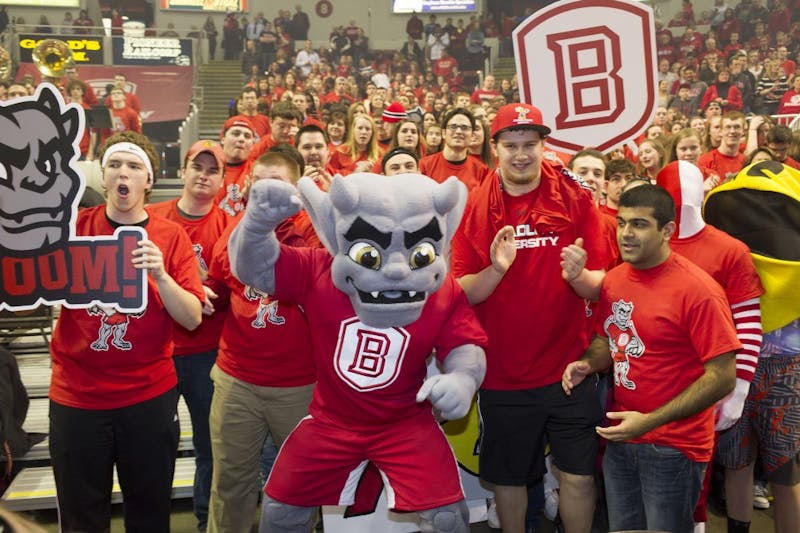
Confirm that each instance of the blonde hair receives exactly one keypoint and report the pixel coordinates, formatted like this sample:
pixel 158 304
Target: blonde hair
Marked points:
pixel 349 147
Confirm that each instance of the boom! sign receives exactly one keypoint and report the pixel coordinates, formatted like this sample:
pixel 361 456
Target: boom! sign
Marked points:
pixel 590 66
pixel 86 50
pixel 41 259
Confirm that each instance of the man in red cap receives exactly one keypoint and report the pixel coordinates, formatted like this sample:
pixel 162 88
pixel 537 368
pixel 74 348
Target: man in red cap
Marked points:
pixel 237 138
pixel 453 160
pixel 241 151
pixel 527 230
pixel 195 351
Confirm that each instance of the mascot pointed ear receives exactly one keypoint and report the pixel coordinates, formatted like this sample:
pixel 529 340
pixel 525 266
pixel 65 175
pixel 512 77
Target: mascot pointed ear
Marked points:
pixel 449 200
pixel 320 211
pixel 49 98
pixel 71 122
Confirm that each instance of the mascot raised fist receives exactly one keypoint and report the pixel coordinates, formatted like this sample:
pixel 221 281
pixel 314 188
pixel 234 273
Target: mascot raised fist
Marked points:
pixel 379 301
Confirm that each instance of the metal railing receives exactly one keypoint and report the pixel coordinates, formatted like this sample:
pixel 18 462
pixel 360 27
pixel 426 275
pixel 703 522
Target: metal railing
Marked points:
pixel 792 120
pixel 189 130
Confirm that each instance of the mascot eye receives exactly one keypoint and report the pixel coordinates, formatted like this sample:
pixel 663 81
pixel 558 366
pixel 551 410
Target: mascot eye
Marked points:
pixel 3 172
pixel 365 255
pixel 422 255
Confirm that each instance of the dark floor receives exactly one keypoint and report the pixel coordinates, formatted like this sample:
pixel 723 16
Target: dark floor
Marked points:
pixel 183 521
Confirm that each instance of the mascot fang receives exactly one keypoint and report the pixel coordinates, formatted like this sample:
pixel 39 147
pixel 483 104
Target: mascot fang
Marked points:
pixel 378 302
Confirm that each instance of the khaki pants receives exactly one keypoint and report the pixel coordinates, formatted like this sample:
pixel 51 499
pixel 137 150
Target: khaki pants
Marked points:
pixel 241 416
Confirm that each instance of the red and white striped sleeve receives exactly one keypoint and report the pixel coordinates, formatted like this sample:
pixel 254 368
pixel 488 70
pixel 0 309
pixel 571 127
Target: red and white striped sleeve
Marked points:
pixel 747 319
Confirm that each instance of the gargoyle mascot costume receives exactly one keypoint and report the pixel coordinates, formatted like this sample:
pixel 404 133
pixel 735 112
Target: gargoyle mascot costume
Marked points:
pixel 378 304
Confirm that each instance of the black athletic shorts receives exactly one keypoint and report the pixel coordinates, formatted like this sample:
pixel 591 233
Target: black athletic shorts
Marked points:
pixel 517 425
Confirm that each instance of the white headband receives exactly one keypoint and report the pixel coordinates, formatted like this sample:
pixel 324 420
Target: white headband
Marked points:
pixel 128 148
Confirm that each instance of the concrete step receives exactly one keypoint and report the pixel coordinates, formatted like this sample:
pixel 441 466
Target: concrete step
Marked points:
pixel 35 488
pixel 26 332
pixel 38 421
pixel 221 81
pixel 35 371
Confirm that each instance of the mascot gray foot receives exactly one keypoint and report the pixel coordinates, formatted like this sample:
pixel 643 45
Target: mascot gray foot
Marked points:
pixel 453 518
pixel 277 517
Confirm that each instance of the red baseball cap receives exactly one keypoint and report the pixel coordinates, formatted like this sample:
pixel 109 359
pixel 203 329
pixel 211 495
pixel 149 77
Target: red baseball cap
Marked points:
pixel 518 116
pixel 236 120
pixel 211 147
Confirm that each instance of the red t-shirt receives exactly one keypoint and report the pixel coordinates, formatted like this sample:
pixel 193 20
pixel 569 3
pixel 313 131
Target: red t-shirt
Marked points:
pixel 333 98
pixel 612 213
pixel 261 124
pixel 471 171
pixel 103 359
pixel 125 119
pixel 341 163
pixel 535 321
pixel 728 261
pixel 442 66
pixel 230 197
pixel 725 259
pixel 789 162
pixel 790 103
pixel 722 165
pixel 203 233
pixel 480 94
pixel 264 341
pixel 354 387
pixel 653 330
pixel 131 100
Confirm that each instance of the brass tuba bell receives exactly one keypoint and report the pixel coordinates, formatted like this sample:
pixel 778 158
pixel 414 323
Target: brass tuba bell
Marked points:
pixel 52 57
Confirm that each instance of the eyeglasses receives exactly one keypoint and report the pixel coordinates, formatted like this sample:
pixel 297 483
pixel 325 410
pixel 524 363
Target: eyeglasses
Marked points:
pixel 459 127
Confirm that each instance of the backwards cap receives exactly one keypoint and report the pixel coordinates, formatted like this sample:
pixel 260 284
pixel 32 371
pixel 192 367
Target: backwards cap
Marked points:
pixel 236 120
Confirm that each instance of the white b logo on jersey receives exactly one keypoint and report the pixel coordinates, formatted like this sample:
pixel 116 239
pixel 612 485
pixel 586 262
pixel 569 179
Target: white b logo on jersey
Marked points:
pixel 369 358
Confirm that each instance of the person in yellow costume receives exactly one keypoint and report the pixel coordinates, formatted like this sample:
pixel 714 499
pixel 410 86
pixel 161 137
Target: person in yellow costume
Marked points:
pixel 761 207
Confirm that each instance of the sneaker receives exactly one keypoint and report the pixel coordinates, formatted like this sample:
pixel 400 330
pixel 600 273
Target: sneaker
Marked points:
pixel 760 500
pixel 491 514
pixel 551 503
pixel 550 493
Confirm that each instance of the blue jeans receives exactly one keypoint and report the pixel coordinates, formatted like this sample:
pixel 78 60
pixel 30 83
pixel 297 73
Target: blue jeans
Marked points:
pixel 650 487
pixel 195 384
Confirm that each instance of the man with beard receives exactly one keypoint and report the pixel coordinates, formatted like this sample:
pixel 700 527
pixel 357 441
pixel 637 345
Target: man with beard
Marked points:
pixel 312 143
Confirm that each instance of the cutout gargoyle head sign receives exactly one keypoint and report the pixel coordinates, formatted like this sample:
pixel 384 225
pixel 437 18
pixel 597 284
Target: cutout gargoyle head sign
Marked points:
pixel 388 255
pixel 41 260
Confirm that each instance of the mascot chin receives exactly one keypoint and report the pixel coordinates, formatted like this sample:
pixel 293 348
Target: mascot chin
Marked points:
pixel 379 301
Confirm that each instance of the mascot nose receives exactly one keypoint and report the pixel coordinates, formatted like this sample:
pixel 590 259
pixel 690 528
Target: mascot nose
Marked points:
pixel 397 268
